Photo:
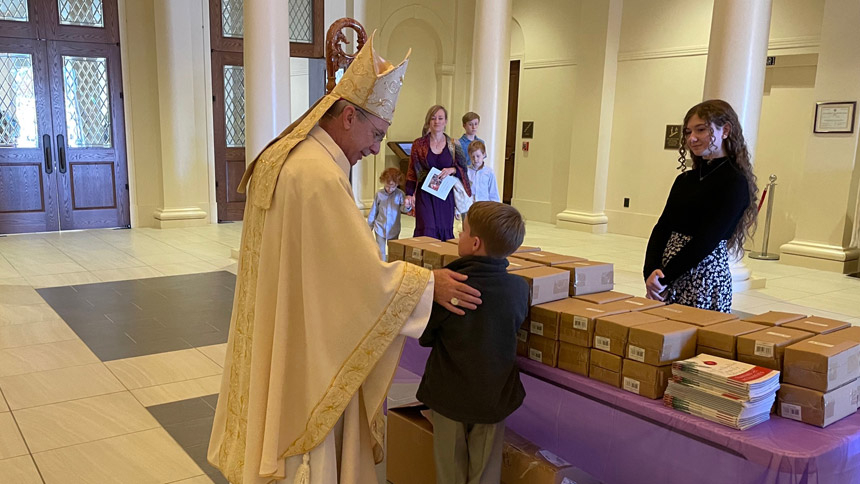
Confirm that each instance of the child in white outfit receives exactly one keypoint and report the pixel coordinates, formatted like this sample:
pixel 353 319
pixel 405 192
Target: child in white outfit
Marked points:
pixel 389 202
pixel 481 177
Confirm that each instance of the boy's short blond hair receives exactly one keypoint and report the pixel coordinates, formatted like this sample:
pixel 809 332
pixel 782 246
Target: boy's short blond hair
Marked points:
pixel 477 145
pixel 500 227
pixel 470 116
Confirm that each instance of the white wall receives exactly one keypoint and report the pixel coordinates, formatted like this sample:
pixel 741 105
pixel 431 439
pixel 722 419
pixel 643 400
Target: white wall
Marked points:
pixel 661 75
pixel 543 39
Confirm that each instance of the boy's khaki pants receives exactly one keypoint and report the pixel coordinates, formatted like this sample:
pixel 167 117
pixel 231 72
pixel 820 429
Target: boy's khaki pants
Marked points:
pixel 467 453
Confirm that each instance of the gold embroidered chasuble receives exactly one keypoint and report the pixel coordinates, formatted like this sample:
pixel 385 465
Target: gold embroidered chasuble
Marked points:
pixel 317 315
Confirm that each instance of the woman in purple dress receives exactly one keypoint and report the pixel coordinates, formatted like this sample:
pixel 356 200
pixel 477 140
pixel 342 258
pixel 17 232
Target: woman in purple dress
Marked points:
pixel 434 217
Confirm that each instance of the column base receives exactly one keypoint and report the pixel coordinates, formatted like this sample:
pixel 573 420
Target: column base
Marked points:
pixel 824 257
pixel 234 253
pixel 171 218
pixel 595 223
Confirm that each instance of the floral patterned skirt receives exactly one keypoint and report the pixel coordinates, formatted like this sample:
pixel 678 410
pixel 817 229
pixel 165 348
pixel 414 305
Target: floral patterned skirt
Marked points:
pixel 706 286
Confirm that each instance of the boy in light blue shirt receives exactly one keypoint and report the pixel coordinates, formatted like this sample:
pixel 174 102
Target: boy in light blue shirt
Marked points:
pixel 470 126
pixel 481 177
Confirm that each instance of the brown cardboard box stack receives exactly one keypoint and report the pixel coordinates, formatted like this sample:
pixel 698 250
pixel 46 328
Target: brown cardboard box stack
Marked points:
pixel 721 339
pixel 573 358
pixel 651 349
pixel 611 332
pixel 434 255
pixel 545 283
pixel 605 367
pixel 578 318
pixel 526 248
pixel 588 277
pixel 646 380
pixel 522 342
pixel 766 347
pixel 820 380
pixel 543 327
pixel 634 304
pixel 695 316
pixel 397 248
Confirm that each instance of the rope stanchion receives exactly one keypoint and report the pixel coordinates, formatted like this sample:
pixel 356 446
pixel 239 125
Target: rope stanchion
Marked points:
pixel 768 190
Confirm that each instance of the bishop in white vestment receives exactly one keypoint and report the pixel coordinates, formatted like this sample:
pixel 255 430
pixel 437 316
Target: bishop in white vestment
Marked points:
pixel 319 320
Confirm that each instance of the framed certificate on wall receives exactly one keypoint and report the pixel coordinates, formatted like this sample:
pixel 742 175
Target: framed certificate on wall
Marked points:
pixel 835 117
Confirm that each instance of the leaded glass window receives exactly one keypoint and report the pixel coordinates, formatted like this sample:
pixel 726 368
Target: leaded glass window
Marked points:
pixel 14 10
pixel 88 121
pixel 234 105
pixel 18 124
pixel 85 13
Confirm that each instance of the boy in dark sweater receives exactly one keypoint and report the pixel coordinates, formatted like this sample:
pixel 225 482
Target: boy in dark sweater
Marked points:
pixel 471 381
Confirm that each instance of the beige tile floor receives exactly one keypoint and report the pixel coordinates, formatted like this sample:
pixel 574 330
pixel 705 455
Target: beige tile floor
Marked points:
pixel 67 417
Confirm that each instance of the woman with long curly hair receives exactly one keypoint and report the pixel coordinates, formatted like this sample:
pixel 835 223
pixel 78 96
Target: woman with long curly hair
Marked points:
pixel 710 212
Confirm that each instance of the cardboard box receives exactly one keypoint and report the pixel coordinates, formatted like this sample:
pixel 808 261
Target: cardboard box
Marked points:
pixel 817 408
pixel 589 277
pixel 573 358
pixel 577 321
pixel 544 319
pixel 548 258
pixel 543 350
pixel 604 297
pixel 817 325
pixel 662 342
pixel 410 447
pixel 611 332
pixel 397 247
pixel 433 254
pixel 449 258
pixel 689 315
pixel 774 318
pixel 526 248
pixel 517 264
pixel 605 360
pixel 522 342
pixel 851 333
pixel 635 304
pixel 723 337
pixel 455 241
pixel 822 362
pixel 525 463
pixel 646 380
pixel 766 347
pixel 545 284
pixel 729 355
pixel 605 376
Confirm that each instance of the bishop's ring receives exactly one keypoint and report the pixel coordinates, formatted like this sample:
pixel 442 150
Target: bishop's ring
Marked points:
pixel 455 301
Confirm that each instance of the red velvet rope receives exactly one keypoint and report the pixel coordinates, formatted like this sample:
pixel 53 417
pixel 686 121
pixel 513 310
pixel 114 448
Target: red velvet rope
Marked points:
pixel 763 194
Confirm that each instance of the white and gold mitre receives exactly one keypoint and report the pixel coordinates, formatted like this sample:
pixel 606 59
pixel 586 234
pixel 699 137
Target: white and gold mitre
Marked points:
pixel 372 83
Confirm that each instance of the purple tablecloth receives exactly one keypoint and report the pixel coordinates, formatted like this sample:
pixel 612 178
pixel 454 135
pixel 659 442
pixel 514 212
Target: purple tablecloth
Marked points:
pixel 623 438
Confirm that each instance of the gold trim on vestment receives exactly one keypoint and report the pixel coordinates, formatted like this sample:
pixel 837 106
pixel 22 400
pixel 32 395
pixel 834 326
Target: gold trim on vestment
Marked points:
pixel 361 362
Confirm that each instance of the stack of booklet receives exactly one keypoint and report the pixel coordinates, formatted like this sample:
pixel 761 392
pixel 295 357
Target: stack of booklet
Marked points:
pixel 735 394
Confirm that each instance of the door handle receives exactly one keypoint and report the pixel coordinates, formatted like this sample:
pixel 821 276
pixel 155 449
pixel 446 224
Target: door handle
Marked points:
pixel 49 163
pixel 61 153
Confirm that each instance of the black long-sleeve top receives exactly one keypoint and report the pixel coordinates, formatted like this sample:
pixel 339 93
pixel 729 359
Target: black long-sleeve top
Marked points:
pixel 705 203
pixel 471 374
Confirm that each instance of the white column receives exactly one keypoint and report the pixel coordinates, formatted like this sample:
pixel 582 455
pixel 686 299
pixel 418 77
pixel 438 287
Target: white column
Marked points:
pixel 363 173
pixel 599 34
pixel 267 73
pixel 825 214
pixel 491 52
pixel 185 172
pixel 737 54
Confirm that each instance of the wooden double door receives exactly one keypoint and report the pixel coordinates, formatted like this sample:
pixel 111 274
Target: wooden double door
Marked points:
pixel 62 133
